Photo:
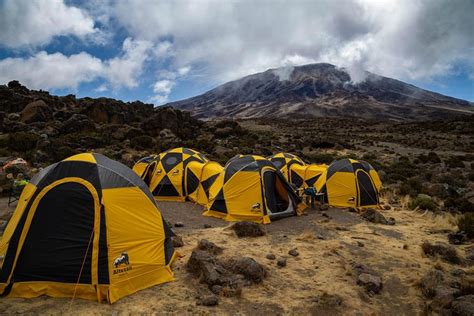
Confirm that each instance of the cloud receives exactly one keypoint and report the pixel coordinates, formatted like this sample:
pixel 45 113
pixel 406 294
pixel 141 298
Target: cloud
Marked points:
pixel 162 88
pixel 36 22
pixel 228 39
pixel 53 71
pixel 125 69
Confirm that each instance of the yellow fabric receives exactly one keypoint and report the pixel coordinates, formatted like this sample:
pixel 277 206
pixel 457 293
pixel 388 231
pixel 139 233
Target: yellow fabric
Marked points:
pixel 343 189
pixel 58 289
pixel 133 225
pixel 9 230
pixel 143 241
pixel 87 157
pixel 243 194
pixel 203 171
pixel 139 168
pixel 312 171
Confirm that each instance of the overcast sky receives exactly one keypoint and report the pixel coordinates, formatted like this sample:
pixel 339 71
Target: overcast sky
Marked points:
pixel 160 51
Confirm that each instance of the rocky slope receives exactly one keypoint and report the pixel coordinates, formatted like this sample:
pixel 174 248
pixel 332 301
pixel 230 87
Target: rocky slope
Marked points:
pixel 321 90
pixel 44 128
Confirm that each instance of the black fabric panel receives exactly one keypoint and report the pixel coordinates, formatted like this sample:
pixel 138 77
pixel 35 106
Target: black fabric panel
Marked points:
pixel 107 167
pixel 170 160
pixel 103 260
pixel 165 188
pixel 239 164
pixel 358 166
pixel 270 196
pixel 59 235
pixel 219 203
pixel 278 162
pixel 148 174
pixel 206 184
pixel 367 192
pixel 343 165
pixel 367 166
pixel 169 250
pixel 80 169
pixel 192 182
pixel 42 173
pixel 296 179
pixel 147 159
pixel 13 244
pixel 311 181
pixel 192 158
pixel 188 151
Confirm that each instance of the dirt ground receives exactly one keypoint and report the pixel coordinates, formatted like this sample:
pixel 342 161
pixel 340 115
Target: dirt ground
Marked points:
pixel 328 243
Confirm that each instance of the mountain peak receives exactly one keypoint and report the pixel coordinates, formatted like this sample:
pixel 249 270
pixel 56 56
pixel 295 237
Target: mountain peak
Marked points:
pixel 321 90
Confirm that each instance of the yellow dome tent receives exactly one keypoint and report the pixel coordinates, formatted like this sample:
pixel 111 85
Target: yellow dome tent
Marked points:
pixel 306 176
pixel 296 171
pixel 143 165
pixel 252 189
pixel 199 178
pixel 85 227
pixel 284 162
pixel 349 183
pixel 166 173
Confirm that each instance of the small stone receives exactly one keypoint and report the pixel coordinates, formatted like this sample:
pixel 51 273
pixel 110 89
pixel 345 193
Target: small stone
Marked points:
pixel 324 207
pixel 324 214
pixel 179 224
pixel 271 256
pixel 360 244
pixel 207 226
pixel 281 262
pixel 405 247
pixel 177 241
pixel 209 300
pixel 321 237
pixel 371 283
pixel 293 252
pixel 387 207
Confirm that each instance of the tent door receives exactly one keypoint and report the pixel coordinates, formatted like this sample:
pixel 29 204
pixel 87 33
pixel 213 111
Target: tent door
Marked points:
pixel 366 189
pixel 277 199
pixel 61 231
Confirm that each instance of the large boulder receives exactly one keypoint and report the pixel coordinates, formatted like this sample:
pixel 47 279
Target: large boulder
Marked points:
pixel 37 111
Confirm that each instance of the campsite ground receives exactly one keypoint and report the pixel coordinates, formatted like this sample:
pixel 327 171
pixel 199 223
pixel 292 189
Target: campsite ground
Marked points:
pixel 318 281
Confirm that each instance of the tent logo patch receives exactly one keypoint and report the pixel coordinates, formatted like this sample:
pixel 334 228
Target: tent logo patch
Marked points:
pixel 122 263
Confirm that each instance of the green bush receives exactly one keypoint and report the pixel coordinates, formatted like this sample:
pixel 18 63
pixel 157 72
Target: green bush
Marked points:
pixel 466 224
pixel 22 141
pixel 423 203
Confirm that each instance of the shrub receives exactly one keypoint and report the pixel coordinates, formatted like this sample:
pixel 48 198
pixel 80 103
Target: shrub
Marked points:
pixel 321 157
pixel 22 141
pixel 454 162
pixel 423 203
pixel 142 142
pixel 466 224
pixel 411 187
pixel 447 253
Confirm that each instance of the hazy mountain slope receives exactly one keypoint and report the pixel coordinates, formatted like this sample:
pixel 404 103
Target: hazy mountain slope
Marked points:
pixel 319 90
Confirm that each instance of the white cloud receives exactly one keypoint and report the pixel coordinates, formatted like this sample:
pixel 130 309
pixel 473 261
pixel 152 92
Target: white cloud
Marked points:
pixel 49 71
pixel 125 70
pixel 163 86
pixel 228 39
pixel 36 22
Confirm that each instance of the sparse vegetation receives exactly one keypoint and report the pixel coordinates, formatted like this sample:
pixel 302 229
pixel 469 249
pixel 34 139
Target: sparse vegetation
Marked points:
pixel 466 224
pixel 423 203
